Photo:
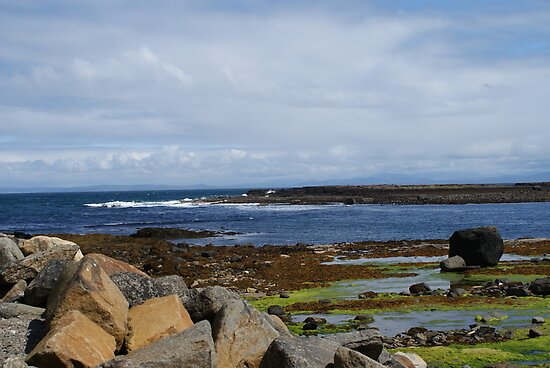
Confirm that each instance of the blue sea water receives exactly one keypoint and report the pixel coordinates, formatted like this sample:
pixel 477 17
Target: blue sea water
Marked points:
pixel 125 212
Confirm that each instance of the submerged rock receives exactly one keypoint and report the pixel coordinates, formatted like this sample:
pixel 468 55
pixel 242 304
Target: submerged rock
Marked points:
pixel 480 246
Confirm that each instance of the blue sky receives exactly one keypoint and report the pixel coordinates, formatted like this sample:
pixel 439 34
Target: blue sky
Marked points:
pixel 259 92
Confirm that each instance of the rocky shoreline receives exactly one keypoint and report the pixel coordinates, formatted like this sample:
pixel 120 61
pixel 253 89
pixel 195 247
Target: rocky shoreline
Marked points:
pixel 398 194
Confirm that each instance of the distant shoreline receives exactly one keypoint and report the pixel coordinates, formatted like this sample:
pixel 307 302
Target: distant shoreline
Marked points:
pixel 398 194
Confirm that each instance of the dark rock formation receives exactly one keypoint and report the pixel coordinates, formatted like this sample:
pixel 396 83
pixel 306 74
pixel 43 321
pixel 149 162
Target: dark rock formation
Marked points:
pixel 480 246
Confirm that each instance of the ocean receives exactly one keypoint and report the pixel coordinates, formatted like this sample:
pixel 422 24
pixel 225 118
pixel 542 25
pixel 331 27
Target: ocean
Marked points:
pixel 122 213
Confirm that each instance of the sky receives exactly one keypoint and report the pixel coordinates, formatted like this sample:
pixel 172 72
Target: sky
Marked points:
pixel 249 93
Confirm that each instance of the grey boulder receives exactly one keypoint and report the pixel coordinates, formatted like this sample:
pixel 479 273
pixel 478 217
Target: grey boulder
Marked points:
pixel 205 303
pixel 9 251
pixel 299 352
pixel 452 264
pixel 367 342
pixel 347 358
pixel 137 288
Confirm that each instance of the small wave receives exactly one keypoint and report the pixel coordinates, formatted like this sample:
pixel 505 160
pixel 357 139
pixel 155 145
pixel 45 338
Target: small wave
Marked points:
pixel 136 204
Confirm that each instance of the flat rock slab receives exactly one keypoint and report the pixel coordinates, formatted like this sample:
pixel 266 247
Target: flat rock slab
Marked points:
pixel 75 341
pixel 191 348
pixel 112 266
pixel 41 243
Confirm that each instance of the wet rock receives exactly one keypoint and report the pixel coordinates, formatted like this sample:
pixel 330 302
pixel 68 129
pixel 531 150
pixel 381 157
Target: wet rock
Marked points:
pixel 42 285
pixel 419 289
pixel 456 293
pixel 410 360
pixel 368 295
pixel 324 301
pixel 205 303
pixel 367 342
pixel 42 243
pixel 517 291
pixel 138 288
pixel 310 326
pixel 172 233
pixel 74 341
pixel 299 352
pixel 28 267
pixel 155 319
pixel 275 310
pixel 452 264
pixel 112 266
pixel 480 246
pixel 364 318
pixel 534 333
pixel 9 251
pixel 16 292
pixel 537 320
pixel 85 287
pixel 318 320
pixel 191 348
pixel 347 358
pixel 350 201
pixel 242 335
pixel 540 286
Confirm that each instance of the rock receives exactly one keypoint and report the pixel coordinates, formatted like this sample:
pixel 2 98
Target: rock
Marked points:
pixel 347 358
pixel 275 310
pixel 284 295
pixel 137 288
pixel 456 293
pixel 368 342
pixel 40 288
pixel 155 319
pixel 420 288
pixel 364 318
pixel 299 352
pixel 410 360
pixel 15 362
pixel 9 251
pixel 85 287
pixel 350 201
pixel 172 233
pixel 242 335
pixel 540 286
pixel 205 303
pixel 452 264
pixel 28 267
pixel 16 292
pixel 517 291
pixel 387 360
pixel 537 320
pixel 317 320
pixel 75 341
pixel 42 243
pixel 191 348
pixel 14 310
pixel 480 246
pixel 534 333
pixel 310 326
pixel 368 295
pixel 112 266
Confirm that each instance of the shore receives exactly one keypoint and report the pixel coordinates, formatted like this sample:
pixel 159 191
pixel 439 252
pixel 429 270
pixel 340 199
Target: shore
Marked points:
pixel 399 194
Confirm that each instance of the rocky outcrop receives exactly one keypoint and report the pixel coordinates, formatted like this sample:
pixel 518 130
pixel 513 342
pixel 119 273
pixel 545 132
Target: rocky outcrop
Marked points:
pixel 39 289
pixel 480 246
pixel 299 352
pixel 242 334
pixel 155 319
pixel 347 358
pixel 191 348
pixel 452 264
pixel 9 251
pixel 75 341
pixel 42 243
pixel 367 342
pixel 112 266
pixel 85 287
pixel 137 288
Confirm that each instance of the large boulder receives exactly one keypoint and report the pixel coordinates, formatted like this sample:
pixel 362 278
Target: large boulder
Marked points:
pixel 85 287
pixel 205 303
pixel 480 246
pixel 368 342
pixel 410 360
pixel 299 352
pixel 138 288
pixel 452 264
pixel 75 341
pixel 28 267
pixel 41 243
pixel 9 251
pixel 540 286
pixel 347 358
pixel 191 348
pixel 112 266
pixel 242 334
pixel 155 319
pixel 39 289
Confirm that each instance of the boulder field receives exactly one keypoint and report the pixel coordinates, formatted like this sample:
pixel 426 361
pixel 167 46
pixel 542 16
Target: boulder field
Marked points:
pixel 63 309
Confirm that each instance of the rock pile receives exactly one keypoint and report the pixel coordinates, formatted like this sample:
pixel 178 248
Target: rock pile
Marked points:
pixel 93 310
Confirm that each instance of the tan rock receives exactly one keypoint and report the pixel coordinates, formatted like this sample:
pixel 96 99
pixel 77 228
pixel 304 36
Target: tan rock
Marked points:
pixel 85 287
pixel 112 266
pixel 155 319
pixel 410 360
pixel 41 243
pixel 15 293
pixel 74 342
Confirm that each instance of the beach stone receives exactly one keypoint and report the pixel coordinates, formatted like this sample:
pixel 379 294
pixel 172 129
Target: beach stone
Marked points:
pixel 138 288
pixel 540 286
pixel 85 287
pixel 28 267
pixel 299 352
pixel 482 246
pixel 368 342
pixel 451 264
pixel 420 288
pixel 537 320
pixel 242 335
pixel 410 360
pixel 16 292
pixel 9 251
pixel 37 292
pixel 276 310
pixel 75 341
pixel 155 319
pixel 534 332
pixel 205 303
pixel 112 266
pixel 347 358
pixel 190 348
pixel 41 243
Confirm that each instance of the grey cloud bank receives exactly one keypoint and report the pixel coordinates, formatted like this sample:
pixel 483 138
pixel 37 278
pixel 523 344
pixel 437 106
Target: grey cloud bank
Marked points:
pixel 238 93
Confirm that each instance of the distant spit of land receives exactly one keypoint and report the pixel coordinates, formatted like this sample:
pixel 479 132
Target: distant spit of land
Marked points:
pixel 400 194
